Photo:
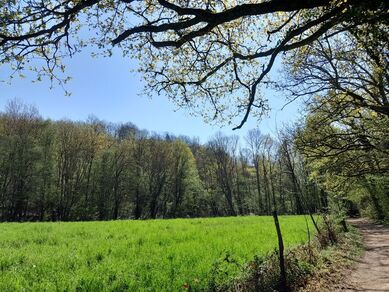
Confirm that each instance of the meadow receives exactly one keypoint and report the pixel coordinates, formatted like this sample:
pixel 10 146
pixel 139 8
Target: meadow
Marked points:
pixel 150 255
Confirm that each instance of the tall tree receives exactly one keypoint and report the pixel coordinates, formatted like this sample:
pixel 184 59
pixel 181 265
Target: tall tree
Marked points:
pixel 255 140
pixel 19 154
pixel 223 149
pixel 157 172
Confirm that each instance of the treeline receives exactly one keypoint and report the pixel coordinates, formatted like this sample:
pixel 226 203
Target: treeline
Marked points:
pixel 345 136
pixel 93 170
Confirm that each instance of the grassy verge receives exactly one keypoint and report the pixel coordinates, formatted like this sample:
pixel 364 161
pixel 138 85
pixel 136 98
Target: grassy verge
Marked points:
pixel 334 262
pixel 316 266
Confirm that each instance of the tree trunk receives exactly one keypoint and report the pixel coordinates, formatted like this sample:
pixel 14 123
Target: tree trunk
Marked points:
pixel 283 283
pixel 260 205
pixel 138 207
pixel 314 222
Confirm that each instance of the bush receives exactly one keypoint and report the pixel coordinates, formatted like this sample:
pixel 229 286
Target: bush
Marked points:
pixel 262 273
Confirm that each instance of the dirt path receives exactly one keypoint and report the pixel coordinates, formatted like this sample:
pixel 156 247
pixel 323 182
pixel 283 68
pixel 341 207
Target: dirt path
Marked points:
pixel 372 271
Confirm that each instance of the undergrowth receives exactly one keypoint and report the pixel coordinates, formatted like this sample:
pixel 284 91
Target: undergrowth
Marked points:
pixel 310 267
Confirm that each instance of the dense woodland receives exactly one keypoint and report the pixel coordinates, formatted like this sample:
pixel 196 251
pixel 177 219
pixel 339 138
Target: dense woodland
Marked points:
pixel 94 170
pixel 64 170
pixel 213 58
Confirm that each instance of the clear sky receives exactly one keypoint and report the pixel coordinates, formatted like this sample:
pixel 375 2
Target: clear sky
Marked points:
pixel 106 88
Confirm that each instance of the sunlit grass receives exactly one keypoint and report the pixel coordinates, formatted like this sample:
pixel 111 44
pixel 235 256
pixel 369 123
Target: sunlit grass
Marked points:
pixel 132 255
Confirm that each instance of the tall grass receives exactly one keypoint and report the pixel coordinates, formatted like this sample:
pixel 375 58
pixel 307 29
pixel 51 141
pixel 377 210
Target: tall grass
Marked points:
pixel 133 255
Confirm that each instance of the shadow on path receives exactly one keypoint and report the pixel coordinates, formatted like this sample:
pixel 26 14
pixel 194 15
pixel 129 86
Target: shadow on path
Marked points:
pixel 372 271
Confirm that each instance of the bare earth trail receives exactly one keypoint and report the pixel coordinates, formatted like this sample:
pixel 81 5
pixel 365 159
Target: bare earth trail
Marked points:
pixel 372 271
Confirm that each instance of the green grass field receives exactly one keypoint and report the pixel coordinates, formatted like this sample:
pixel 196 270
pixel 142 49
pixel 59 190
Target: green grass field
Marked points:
pixel 132 255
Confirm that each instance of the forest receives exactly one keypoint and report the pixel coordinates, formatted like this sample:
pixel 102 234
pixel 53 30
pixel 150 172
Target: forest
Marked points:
pixel 94 170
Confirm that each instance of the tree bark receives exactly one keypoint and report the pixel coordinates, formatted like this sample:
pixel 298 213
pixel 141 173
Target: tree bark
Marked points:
pixel 283 281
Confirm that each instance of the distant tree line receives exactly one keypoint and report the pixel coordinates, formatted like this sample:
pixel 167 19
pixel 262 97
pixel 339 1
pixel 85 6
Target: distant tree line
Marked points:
pixel 65 170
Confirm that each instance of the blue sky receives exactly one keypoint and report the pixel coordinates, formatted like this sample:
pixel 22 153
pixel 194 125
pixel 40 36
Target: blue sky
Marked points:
pixel 106 88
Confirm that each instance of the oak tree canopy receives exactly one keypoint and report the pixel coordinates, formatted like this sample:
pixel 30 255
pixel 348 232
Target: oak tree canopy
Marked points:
pixel 211 56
